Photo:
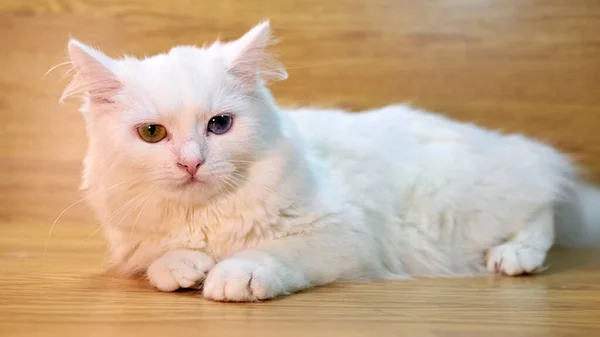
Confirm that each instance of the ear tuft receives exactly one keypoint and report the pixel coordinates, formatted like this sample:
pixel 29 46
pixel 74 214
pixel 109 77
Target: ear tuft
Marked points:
pixel 249 60
pixel 94 77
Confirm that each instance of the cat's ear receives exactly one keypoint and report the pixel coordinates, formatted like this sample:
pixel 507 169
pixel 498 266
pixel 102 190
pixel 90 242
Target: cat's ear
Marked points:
pixel 249 60
pixel 93 74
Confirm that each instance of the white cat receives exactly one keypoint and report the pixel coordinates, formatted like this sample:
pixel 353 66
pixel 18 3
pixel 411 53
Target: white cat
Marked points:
pixel 201 180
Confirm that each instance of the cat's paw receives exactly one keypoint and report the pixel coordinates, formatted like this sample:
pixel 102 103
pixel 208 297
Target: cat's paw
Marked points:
pixel 514 259
pixel 242 280
pixel 179 269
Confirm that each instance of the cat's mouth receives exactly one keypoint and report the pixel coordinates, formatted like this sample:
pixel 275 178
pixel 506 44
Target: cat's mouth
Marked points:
pixel 192 182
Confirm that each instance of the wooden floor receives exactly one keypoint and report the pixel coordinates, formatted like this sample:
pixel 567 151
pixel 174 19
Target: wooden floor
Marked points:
pixel 520 66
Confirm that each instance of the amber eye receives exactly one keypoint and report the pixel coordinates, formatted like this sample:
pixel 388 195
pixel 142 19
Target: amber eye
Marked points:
pixel 152 133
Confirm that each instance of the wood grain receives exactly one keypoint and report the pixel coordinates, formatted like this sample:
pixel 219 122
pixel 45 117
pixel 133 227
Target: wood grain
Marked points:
pixel 520 66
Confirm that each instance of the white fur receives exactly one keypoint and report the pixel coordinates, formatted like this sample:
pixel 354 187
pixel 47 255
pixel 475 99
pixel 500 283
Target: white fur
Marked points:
pixel 295 199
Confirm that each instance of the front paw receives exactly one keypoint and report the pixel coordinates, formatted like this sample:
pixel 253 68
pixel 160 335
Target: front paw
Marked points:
pixel 179 269
pixel 242 280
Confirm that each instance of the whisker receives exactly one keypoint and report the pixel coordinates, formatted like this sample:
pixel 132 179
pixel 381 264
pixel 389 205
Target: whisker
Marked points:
pixel 71 206
pixel 141 210
pixel 230 183
pixel 93 233
pixel 105 222
pixel 114 213
pixel 129 212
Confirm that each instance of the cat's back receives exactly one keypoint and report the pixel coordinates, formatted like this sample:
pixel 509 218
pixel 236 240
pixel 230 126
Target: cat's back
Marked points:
pixel 392 128
pixel 402 146
pixel 401 129
pixel 381 149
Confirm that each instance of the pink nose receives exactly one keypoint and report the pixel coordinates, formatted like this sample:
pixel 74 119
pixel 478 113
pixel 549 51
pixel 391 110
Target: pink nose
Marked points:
pixel 190 165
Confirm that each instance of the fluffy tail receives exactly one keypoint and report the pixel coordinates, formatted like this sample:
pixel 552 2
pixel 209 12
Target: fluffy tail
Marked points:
pixel 578 219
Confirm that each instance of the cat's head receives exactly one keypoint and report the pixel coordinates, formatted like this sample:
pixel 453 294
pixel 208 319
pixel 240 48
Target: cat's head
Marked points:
pixel 185 124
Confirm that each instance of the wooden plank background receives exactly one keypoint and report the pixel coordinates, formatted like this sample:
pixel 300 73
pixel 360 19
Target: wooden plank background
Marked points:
pixel 530 66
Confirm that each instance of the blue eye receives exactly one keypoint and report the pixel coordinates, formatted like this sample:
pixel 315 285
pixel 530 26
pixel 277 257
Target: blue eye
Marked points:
pixel 219 124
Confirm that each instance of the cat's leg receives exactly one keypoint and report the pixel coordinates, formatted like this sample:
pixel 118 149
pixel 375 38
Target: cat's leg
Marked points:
pixel 179 269
pixel 525 251
pixel 291 264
